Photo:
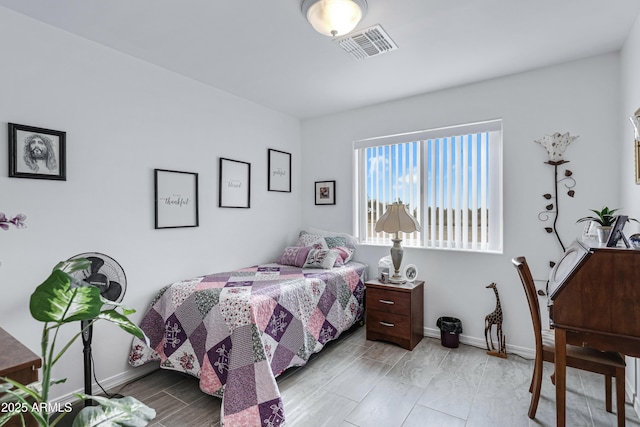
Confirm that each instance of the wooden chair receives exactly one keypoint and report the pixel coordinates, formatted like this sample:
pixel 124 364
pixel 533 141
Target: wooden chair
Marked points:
pixel 609 364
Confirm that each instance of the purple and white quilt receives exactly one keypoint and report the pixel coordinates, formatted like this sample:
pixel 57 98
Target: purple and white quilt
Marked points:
pixel 237 331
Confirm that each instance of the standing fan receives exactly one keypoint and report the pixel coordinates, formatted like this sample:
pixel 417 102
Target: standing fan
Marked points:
pixel 107 275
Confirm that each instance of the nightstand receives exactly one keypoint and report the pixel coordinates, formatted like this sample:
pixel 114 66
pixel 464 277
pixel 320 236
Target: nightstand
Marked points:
pixel 20 364
pixel 395 313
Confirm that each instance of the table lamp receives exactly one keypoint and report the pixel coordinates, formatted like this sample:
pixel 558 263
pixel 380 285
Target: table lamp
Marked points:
pixel 396 219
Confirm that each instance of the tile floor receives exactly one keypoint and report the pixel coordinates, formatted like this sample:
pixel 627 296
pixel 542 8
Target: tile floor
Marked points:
pixel 358 383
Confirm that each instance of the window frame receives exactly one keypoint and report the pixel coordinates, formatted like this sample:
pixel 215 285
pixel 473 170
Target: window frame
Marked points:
pixel 494 128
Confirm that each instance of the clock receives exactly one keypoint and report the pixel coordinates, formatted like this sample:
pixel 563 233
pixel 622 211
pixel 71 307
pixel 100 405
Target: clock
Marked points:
pixel 410 272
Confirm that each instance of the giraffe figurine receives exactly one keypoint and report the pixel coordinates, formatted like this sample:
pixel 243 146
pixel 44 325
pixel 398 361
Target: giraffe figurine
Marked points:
pixel 495 318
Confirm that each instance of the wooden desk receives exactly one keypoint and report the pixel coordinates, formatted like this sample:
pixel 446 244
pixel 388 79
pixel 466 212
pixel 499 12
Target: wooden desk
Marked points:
pixel 594 298
pixel 20 364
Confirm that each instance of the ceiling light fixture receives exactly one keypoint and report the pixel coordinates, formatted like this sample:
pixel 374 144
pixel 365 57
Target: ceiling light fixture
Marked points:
pixel 334 17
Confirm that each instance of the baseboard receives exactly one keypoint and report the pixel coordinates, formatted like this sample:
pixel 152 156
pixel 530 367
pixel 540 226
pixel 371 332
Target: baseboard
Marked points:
pixel 109 383
pixel 524 352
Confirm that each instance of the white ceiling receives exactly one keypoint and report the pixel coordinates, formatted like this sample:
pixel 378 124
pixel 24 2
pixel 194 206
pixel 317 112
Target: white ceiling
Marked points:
pixel 266 52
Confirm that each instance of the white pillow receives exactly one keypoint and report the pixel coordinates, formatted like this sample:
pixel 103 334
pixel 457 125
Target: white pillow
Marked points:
pixel 315 240
pixel 321 258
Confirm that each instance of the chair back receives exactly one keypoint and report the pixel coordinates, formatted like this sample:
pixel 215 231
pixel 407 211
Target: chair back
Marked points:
pixel 532 297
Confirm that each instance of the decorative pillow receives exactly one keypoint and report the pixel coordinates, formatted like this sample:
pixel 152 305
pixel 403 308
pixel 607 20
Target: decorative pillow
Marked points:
pixel 339 262
pixel 344 253
pixel 352 241
pixel 333 241
pixel 294 255
pixel 315 240
pixel 321 258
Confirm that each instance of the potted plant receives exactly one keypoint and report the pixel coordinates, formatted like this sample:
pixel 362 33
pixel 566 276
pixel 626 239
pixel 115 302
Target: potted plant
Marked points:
pixel 60 300
pixel 605 218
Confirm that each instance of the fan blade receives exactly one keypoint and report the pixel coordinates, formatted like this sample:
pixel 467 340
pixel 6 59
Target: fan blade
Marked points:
pixel 113 291
pixel 96 264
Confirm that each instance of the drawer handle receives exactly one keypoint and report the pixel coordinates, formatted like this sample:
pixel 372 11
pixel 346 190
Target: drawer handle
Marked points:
pixel 385 301
pixel 391 325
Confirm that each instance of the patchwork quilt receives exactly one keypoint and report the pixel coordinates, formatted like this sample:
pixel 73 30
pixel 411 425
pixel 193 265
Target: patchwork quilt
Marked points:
pixel 237 331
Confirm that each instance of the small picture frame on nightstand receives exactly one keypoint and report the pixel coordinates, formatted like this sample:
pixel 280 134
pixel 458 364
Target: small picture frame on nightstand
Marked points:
pixel 410 273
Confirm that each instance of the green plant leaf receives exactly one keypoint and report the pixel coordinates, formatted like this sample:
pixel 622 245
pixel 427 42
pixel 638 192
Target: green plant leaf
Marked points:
pixel 72 265
pixel 125 412
pixel 124 323
pixel 56 301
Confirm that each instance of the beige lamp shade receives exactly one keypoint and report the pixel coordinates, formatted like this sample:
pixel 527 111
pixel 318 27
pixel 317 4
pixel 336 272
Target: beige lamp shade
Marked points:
pixel 397 218
pixel 334 17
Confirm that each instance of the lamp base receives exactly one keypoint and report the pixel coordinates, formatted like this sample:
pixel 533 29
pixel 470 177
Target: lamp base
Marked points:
pixel 397 279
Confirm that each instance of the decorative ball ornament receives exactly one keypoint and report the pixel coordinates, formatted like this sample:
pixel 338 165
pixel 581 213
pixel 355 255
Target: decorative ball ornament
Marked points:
pixel 556 144
pixel 634 241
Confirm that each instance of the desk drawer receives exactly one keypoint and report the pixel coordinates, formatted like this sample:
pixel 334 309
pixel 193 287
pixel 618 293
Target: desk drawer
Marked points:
pixel 388 301
pixel 394 325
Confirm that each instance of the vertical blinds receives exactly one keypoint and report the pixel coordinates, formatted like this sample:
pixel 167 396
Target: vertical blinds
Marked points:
pixel 451 183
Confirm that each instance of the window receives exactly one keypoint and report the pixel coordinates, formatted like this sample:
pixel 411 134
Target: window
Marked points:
pixel 450 178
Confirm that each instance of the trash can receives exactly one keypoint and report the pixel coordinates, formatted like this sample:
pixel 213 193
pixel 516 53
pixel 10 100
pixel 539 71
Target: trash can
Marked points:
pixel 450 330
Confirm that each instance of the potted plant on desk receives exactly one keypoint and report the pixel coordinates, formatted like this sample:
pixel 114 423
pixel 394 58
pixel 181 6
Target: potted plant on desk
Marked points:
pixel 605 218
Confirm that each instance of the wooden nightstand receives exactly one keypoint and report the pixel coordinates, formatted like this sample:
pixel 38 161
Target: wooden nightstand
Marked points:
pixel 395 313
pixel 20 364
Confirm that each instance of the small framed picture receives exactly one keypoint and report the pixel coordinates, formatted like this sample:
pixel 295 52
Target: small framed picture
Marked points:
pixel 279 168
pixel 410 273
pixel 37 153
pixel 235 184
pixel 176 199
pixel 325 192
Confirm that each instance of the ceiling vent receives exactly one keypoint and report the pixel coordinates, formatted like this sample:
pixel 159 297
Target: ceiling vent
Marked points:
pixel 366 43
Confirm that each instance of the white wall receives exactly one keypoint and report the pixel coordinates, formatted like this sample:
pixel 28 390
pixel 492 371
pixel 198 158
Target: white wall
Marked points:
pixel 580 97
pixel 123 118
pixel 630 192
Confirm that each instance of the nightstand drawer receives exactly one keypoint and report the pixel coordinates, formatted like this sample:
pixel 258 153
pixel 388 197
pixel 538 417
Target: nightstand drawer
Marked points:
pixel 389 301
pixel 394 325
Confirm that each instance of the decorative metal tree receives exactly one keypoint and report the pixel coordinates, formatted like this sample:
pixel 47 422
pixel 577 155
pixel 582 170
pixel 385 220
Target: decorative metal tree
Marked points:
pixel 555 145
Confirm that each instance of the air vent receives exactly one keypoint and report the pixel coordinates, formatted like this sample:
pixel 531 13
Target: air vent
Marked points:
pixel 366 43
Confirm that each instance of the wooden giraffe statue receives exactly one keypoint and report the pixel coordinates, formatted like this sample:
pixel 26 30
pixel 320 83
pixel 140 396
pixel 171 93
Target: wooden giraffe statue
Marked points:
pixel 495 318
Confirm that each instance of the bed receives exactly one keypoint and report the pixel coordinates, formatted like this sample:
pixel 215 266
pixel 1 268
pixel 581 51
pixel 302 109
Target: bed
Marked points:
pixel 237 331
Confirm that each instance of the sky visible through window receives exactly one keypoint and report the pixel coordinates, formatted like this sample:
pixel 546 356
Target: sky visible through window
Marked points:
pixel 393 171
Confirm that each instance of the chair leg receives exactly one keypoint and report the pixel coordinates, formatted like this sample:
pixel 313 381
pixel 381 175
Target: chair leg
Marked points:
pixel 536 386
pixel 607 393
pixel 620 396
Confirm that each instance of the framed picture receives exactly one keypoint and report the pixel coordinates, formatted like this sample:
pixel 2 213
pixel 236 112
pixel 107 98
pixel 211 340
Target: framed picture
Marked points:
pixel 235 184
pixel 176 199
pixel 37 153
pixel 616 232
pixel 279 168
pixel 325 192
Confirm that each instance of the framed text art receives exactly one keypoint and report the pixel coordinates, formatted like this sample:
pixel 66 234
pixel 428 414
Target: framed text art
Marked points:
pixel 325 192
pixel 176 199
pixel 37 153
pixel 235 184
pixel 279 168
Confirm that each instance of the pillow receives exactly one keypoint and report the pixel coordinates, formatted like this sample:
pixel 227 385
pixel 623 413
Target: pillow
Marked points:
pixel 294 255
pixel 352 241
pixel 315 240
pixel 344 253
pixel 321 258
pixel 339 262
pixel 334 241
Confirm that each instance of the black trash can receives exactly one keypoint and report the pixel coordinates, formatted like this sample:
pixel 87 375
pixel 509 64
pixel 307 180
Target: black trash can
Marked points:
pixel 450 330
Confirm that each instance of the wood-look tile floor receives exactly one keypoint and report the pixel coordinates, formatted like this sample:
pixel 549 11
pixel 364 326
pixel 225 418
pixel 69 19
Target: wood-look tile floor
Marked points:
pixel 353 382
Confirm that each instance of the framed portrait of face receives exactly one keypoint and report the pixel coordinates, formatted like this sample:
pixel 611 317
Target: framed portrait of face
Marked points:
pixel 37 153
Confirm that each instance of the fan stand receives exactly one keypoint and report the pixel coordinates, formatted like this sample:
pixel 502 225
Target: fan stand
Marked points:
pixel 86 342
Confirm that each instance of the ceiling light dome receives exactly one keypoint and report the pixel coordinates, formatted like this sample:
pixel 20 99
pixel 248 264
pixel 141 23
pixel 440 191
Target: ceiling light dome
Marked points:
pixel 334 17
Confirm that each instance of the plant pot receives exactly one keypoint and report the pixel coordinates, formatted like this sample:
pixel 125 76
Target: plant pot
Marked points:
pixel 603 233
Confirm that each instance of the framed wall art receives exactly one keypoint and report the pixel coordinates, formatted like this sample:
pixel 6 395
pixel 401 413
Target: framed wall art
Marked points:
pixel 37 153
pixel 279 168
pixel 235 184
pixel 325 192
pixel 176 199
